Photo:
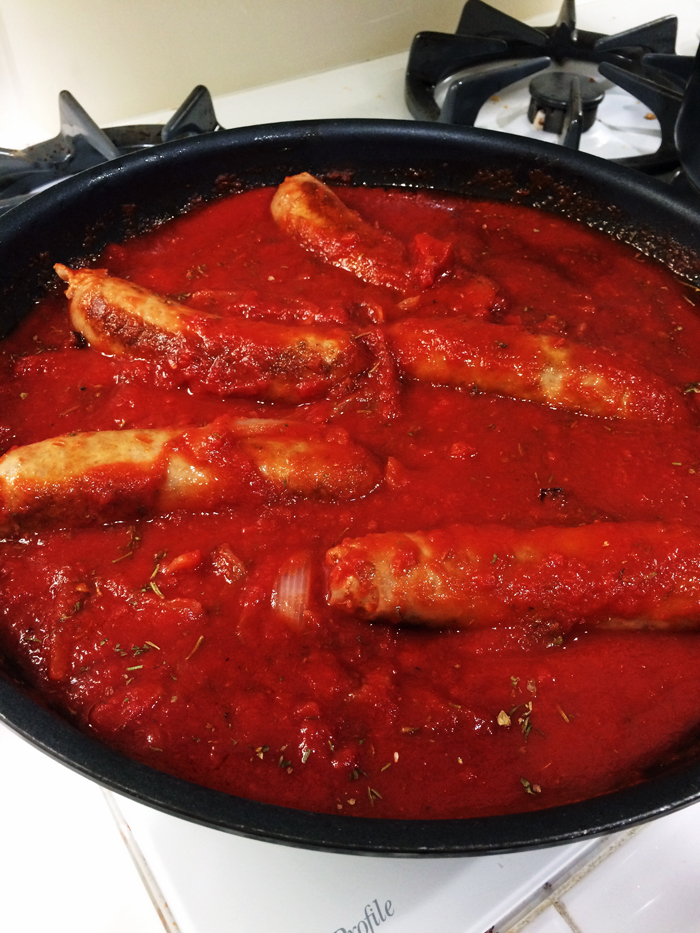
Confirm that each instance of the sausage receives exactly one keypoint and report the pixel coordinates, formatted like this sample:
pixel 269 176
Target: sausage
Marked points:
pixel 314 215
pixel 308 460
pixel 511 361
pixel 104 476
pixel 620 575
pixel 224 356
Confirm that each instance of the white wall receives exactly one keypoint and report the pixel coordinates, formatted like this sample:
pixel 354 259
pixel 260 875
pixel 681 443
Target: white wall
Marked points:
pixel 121 58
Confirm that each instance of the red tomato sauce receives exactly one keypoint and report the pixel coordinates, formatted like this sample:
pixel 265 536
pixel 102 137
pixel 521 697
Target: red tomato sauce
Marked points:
pixel 168 638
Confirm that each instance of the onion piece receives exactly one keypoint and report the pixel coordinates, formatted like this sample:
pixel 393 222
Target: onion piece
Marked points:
pixel 290 596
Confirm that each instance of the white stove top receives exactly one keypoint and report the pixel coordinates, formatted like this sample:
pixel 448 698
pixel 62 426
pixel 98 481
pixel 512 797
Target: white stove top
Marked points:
pixel 640 881
pixel 64 867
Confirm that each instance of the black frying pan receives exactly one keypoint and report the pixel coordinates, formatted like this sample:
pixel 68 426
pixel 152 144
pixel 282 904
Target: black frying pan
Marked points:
pixel 121 198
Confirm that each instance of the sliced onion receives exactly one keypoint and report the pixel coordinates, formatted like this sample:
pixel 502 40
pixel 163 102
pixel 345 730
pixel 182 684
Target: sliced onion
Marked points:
pixel 290 596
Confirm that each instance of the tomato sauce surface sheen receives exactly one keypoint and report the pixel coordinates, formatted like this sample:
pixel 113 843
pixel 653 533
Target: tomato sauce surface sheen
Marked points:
pixel 175 639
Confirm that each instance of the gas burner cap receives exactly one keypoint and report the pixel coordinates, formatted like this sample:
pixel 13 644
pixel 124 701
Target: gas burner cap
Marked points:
pixel 551 94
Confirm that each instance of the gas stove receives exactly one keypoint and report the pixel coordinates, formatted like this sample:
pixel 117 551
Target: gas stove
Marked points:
pixel 554 80
pixel 59 834
pixel 629 96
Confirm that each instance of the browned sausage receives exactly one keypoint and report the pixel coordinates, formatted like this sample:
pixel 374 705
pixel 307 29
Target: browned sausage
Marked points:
pixel 314 215
pixel 121 475
pixel 511 361
pixel 224 356
pixel 630 575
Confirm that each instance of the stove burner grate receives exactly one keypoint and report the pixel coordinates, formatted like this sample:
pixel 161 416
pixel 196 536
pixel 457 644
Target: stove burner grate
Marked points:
pixel 450 77
pixel 81 144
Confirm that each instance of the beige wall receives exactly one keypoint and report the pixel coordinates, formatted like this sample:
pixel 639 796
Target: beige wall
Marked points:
pixel 528 9
pixel 127 57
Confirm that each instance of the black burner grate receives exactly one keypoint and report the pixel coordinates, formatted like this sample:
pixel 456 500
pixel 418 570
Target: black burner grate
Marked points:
pixel 81 143
pixel 491 51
